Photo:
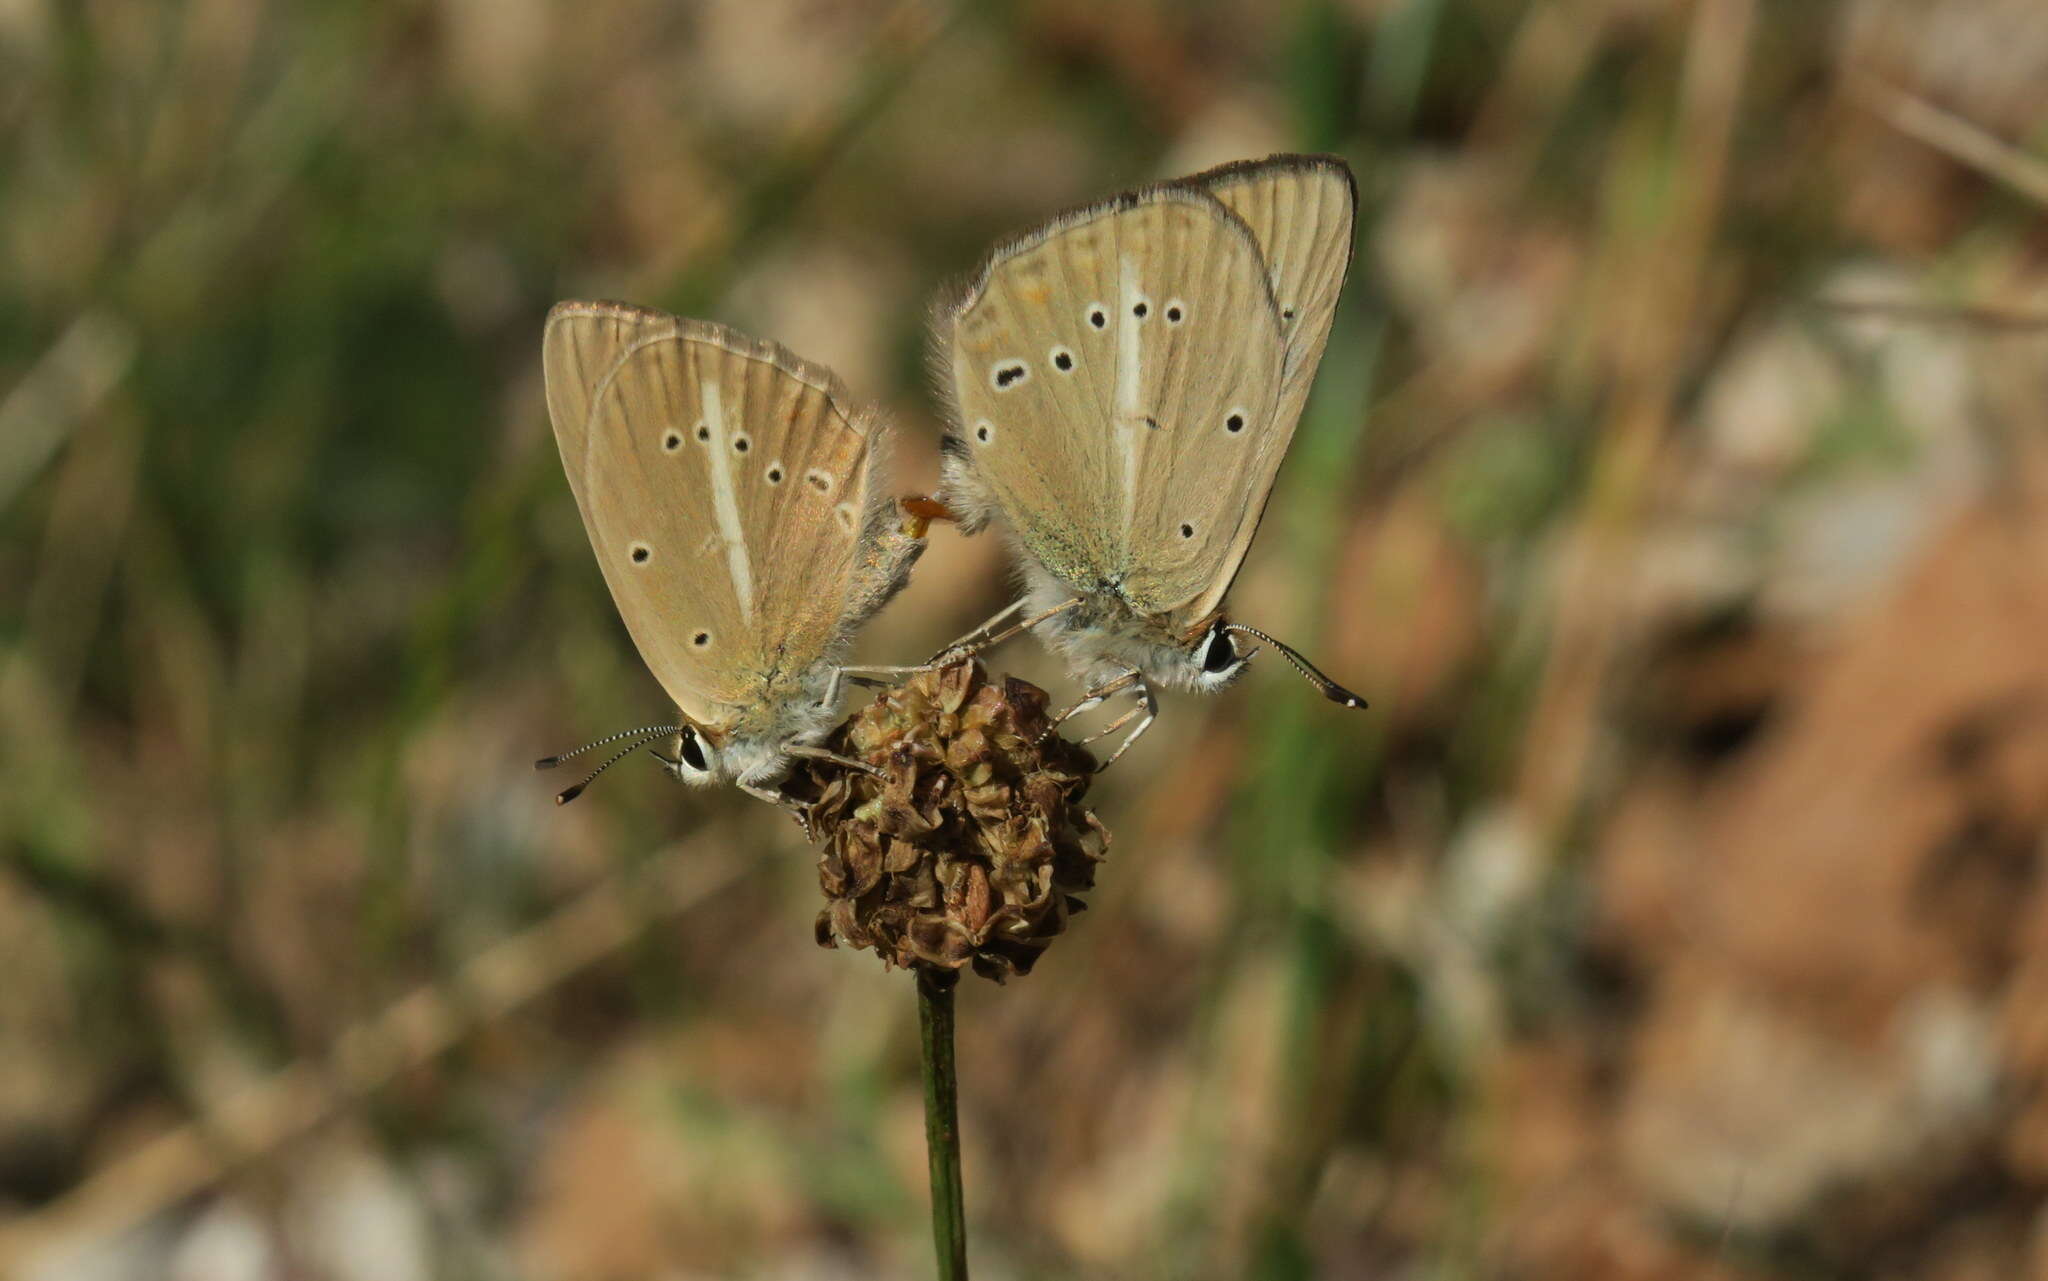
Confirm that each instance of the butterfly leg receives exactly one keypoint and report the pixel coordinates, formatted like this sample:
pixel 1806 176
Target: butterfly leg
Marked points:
pixel 976 640
pixel 873 677
pixel 781 801
pixel 984 637
pixel 811 753
pixel 1144 706
pixel 1094 698
pixel 1144 713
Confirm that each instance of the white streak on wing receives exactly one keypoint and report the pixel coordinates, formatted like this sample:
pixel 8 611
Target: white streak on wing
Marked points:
pixel 736 562
pixel 1129 412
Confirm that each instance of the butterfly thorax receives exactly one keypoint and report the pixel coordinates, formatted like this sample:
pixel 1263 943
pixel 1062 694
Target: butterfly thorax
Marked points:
pixel 1105 636
pixel 1123 383
pixel 753 738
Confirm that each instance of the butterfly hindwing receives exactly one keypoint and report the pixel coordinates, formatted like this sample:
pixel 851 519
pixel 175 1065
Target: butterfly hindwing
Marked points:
pixel 1300 209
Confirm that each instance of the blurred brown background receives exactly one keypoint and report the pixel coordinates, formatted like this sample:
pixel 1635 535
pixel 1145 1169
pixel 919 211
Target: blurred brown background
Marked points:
pixel 1674 487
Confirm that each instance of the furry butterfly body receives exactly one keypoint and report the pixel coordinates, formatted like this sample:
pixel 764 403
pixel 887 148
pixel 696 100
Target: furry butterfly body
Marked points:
pixel 735 498
pixel 1123 383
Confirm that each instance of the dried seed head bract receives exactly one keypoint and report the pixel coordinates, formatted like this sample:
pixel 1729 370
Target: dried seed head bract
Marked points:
pixel 973 847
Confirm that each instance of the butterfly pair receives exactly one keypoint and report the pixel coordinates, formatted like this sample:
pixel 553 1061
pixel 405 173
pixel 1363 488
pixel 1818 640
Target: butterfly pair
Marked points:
pixel 1122 385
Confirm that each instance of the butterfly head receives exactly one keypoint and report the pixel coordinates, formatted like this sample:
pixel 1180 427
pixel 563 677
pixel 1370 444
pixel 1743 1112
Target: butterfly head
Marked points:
pixel 1218 657
pixel 696 759
pixel 748 754
pixel 738 754
pixel 693 760
pixel 1215 659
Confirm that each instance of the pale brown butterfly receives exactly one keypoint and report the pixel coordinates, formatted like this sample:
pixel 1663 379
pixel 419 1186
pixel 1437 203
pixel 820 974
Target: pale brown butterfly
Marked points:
pixel 736 498
pixel 1123 384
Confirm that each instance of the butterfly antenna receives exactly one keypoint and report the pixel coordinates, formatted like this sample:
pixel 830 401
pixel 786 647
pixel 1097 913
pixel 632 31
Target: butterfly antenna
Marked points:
pixel 641 737
pixel 1330 689
pixel 568 794
pixel 644 732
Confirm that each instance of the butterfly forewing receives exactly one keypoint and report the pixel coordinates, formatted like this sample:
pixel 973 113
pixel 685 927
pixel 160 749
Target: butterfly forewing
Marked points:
pixel 1096 368
pixel 724 486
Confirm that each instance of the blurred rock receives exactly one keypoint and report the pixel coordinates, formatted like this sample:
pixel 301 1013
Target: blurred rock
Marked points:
pixel 1742 1114
pixel 1828 445
pixel 228 1242
pixel 357 1219
pixel 1836 547
pixel 1983 59
pixel 1483 283
pixel 1764 403
pixel 130 1255
pixel 1832 948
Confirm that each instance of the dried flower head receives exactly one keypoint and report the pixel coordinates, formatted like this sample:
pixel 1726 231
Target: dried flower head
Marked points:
pixel 973 845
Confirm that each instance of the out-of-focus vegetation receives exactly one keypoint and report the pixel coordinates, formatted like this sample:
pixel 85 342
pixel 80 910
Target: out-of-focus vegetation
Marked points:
pixel 1674 486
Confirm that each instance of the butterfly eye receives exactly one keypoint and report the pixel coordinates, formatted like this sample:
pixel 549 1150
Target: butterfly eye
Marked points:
pixel 640 553
pixel 1098 315
pixel 1235 422
pixel 775 473
pixel 1062 359
pixel 702 640
pixel 1009 374
pixel 819 480
pixel 741 443
pixel 1175 312
pixel 1187 531
pixel 1219 653
pixel 984 432
pixel 692 751
pixel 703 431
pixel 672 442
pixel 1141 308
pixel 1287 313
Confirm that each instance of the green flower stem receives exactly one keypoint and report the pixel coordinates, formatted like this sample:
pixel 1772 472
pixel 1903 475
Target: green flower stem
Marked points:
pixel 942 1119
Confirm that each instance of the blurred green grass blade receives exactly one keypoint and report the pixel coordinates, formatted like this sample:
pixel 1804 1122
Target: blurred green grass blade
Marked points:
pixel 1403 49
